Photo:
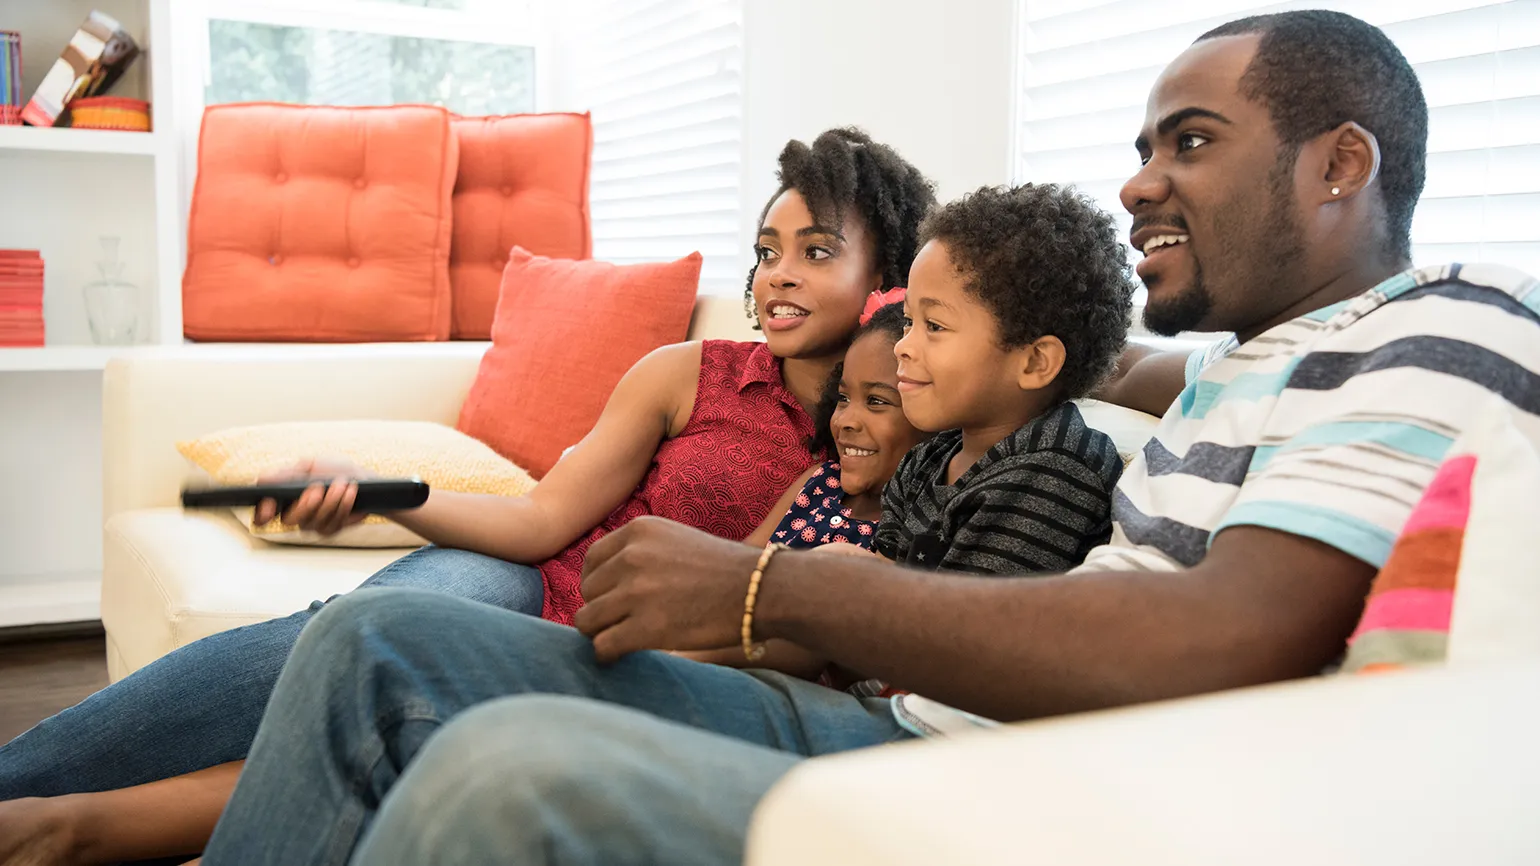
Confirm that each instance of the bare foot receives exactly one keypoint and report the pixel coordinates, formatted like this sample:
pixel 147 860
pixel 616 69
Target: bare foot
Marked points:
pixel 35 832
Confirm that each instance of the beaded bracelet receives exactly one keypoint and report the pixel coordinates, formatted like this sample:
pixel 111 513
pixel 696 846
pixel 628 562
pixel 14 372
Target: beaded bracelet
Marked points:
pixel 752 651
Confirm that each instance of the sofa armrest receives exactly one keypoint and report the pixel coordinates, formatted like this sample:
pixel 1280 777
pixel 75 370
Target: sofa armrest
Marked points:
pixel 155 397
pixel 1428 767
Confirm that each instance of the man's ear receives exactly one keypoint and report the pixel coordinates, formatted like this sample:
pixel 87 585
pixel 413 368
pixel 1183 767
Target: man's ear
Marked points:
pixel 1039 363
pixel 1350 161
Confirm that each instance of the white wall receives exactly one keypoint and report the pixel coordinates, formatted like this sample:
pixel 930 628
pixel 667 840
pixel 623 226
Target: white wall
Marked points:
pixel 932 79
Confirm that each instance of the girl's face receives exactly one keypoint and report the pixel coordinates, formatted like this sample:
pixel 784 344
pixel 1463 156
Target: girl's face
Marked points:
pixel 812 280
pixel 869 424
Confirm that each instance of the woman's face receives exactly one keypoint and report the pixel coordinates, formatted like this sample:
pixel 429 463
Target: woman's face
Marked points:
pixel 812 280
pixel 869 426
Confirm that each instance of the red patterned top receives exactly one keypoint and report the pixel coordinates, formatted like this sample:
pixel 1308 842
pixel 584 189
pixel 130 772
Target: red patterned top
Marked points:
pixel 745 443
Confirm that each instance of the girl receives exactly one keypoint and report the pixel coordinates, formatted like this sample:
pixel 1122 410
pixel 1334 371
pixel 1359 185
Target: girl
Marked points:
pixel 862 428
pixel 707 434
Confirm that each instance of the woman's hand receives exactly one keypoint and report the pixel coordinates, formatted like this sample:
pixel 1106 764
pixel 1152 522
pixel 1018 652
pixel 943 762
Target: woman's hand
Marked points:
pixel 326 507
pixel 656 584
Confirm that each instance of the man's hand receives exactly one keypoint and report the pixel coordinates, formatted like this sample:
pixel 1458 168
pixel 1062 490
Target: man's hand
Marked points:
pixel 656 584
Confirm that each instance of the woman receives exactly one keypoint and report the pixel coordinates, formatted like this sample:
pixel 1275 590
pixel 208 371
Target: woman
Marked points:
pixel 709 434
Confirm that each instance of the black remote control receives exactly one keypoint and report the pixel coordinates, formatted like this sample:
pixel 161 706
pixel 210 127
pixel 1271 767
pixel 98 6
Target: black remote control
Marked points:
pixel 374 496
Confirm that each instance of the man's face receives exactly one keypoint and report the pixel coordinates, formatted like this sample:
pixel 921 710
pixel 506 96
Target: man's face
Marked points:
pixel 1215 210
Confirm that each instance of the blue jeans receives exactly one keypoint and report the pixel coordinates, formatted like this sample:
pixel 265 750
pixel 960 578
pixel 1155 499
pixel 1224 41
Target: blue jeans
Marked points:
pixel 200 705
pixel 654 759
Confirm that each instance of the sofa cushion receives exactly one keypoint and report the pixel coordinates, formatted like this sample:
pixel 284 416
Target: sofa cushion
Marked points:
pixel 566 331
pixel 172 577
pixel 523 181
pixel 320 224
pixel 439 455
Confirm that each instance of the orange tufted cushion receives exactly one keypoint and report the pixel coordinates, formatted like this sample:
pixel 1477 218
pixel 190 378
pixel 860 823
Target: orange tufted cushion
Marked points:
pixel 320 224
pixel 523 181
pixel 566 332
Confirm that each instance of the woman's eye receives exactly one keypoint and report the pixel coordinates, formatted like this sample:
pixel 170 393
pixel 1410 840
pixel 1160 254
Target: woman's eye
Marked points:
pixel 764 253
pixel 1190 140
pixel 817 253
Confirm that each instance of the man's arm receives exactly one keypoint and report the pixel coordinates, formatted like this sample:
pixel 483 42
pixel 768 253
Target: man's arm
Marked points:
pixel 1146 380
pixel 1263 606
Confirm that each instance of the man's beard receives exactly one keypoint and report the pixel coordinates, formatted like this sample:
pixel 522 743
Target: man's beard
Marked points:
pixel 1274 252
pixel 1183 312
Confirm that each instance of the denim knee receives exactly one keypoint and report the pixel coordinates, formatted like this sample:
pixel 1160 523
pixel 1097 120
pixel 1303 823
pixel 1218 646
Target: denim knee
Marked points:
pixel 515 758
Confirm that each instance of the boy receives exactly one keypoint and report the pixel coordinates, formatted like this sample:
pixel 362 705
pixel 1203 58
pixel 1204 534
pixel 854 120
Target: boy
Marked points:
pixel 1018 303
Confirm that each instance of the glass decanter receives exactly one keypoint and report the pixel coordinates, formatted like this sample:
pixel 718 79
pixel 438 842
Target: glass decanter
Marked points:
pixel 112 303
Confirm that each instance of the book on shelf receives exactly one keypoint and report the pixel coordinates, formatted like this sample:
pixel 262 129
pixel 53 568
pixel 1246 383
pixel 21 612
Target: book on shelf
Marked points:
pixel 21 298
pixel 92 61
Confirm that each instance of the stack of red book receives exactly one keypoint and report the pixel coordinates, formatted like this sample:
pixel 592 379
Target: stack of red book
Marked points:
pixel 21 298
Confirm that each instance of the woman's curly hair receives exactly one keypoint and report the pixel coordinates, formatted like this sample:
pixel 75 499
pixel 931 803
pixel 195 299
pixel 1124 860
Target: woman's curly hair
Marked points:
pixel 843 172
pixel 888 321
pixel 1046 261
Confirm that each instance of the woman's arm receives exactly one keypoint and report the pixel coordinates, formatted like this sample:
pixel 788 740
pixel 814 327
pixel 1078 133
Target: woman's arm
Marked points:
pixel 653 400
pixel 761 536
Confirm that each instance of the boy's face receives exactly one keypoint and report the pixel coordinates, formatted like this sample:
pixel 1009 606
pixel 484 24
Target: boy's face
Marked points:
pixel 869 424
pixel 952 370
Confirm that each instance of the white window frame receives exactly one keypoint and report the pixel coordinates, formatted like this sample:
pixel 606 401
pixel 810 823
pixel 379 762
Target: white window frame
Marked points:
pixel 515 22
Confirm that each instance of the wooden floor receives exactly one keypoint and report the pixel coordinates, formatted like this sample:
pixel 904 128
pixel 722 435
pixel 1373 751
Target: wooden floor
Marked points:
pixel 42 676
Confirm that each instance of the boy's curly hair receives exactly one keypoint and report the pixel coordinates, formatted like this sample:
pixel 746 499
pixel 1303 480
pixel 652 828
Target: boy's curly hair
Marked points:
pixel 844 171
pixel 888 321
pixel 1046 261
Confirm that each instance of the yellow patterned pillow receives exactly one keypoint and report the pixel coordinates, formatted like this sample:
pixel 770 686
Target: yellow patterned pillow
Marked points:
pixel 439 455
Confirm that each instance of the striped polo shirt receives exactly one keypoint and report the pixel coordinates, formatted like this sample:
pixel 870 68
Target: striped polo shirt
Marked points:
pixel 1329 426
pixel 1039 500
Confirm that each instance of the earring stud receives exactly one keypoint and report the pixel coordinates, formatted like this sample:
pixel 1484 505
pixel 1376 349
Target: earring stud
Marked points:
pixel 1336 190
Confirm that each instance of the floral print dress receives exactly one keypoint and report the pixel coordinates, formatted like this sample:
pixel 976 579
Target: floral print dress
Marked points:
pixel 819 516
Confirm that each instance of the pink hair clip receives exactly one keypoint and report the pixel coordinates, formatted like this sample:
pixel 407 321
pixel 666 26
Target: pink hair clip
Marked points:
pixel 877 300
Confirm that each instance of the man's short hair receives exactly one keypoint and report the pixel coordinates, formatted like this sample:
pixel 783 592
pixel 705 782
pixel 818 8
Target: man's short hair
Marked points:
pixel 1315 70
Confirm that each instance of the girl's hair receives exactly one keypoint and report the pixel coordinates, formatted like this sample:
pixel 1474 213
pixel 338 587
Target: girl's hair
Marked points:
pixel 844 171
pixel 887 321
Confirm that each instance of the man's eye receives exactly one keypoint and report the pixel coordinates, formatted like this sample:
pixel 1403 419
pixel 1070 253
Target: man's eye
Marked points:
pixel 1189 140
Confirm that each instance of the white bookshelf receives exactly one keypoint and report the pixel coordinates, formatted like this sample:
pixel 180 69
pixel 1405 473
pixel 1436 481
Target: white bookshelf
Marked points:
pixel 63 190
pixel 45 359
pixel 89 141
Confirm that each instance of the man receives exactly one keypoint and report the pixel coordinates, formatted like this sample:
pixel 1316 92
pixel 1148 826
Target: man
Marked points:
pixel 1283 156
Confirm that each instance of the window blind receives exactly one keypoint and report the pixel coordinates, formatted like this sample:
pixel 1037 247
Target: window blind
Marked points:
pixel 1086 66
pixel 664 82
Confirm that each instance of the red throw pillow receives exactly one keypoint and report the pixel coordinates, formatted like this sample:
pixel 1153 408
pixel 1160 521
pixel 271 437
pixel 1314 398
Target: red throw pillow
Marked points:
pixel 565 332
pixel 523 181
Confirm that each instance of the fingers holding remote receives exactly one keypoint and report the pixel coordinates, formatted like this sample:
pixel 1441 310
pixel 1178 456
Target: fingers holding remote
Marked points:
pixel 336 509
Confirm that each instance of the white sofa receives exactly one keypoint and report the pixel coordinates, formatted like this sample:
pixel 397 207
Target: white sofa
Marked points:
pixel 1420 768
pixel 170 578
pixel 1432 768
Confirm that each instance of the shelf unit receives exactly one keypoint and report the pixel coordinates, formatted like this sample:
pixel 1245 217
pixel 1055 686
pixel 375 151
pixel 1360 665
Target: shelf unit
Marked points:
pixel 65 188
pixel 91 141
